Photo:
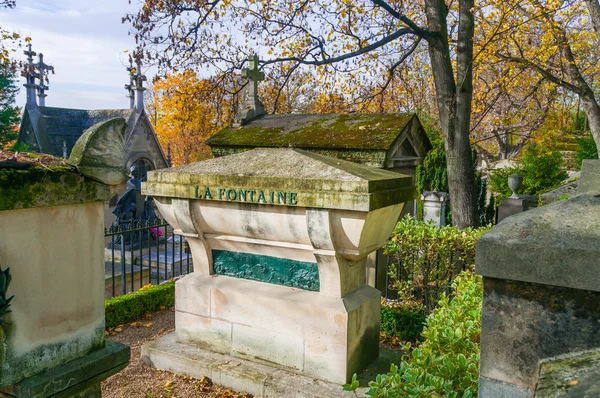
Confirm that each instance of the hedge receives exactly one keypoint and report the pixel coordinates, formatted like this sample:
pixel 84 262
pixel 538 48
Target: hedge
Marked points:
pixel 406 325
pixel 132 306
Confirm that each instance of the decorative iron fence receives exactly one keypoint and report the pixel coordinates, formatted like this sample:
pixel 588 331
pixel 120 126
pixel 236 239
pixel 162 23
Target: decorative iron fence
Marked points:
pixel 141 253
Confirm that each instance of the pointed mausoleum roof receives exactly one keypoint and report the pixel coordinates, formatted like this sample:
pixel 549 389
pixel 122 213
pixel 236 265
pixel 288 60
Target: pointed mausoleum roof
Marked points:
pixel 388 141
pixel 54 130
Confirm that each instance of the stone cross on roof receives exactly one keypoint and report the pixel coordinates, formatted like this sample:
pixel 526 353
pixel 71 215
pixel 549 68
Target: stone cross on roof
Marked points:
pixel 251 107
pixel 139 85
pixel 42 68
pixel 30 75
pixel 130 87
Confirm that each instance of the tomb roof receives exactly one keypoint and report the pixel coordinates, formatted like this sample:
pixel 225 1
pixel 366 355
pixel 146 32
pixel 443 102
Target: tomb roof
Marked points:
pixel 319 181
pixel 342 131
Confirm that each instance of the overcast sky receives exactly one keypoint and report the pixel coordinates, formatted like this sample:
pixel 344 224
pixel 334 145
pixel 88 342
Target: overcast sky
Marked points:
pixel 85 42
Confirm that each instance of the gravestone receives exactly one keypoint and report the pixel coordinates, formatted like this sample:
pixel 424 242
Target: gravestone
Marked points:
pixel 279 239
pixel 540 313
pixel 434 207
pixel 51 223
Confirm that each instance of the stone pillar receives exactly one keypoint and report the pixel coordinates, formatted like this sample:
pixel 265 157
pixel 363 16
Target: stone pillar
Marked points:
pixel 541 276
pixel 511 206
pixel 434 207
pixel 279 239
pixel 139 87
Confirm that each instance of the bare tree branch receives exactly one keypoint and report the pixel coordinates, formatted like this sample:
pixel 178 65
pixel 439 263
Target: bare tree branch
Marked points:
pixel 399 33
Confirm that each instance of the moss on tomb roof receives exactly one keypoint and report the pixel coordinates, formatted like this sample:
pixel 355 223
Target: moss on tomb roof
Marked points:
pixel 340 131
pixel 30 180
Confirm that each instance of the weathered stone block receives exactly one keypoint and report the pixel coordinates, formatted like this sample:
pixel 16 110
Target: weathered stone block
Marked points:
pixel 204 332
pixel 541 292
pixel 58 310
pixel 589 182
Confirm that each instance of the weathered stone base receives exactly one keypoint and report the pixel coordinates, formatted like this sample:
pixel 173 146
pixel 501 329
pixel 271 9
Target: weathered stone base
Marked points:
pixel 298 330
pixel 260 380
pixel 525 323
pixel 79 378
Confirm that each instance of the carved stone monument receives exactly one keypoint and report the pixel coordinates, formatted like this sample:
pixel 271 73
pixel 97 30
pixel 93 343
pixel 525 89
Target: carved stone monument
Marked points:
pixel 279 239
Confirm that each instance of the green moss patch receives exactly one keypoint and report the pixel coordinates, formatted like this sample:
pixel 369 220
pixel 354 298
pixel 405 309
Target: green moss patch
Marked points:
pixel 51 186
pixel 132 306
pixel 356 131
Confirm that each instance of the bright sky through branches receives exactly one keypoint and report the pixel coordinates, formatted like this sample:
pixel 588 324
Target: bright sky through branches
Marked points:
pixel 85 41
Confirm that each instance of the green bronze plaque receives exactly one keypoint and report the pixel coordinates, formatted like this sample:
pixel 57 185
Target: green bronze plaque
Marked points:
pixel 268 269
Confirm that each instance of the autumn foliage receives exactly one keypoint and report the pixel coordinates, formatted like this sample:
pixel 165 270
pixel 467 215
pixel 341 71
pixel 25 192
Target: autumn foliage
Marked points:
pixel 186 111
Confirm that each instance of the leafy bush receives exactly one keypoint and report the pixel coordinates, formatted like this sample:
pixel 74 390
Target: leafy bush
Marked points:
pixel 587 149
pixel 132 306
pixel 404 324
pixel 427 258
pixel 446 364
pixel 541 170
pixel 432 175
pixel 542 167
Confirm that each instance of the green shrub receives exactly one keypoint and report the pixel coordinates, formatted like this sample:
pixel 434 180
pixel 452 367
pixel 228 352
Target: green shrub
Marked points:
pixel 403 324
pixel 542 167
pixel 587 149
pixel 427 258
pixel 541 170
pixel 132 306
pixel 446 364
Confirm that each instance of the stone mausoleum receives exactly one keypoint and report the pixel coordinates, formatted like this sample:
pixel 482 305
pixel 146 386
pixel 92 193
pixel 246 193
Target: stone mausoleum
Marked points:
pixel 279 239
pixel 54 130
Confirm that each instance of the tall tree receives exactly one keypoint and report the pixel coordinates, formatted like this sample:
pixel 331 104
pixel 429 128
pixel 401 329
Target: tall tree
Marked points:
pixel 10 114
pixel 557 43
pixel 186 111
pixel 356 38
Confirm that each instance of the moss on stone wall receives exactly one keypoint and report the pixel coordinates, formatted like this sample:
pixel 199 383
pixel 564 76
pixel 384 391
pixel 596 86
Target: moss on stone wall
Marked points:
pixel 51 186
pixel 356 131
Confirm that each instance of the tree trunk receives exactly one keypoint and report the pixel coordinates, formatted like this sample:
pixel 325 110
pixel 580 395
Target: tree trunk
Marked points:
pixel 454 103
pixel 594 8
pixel 592 112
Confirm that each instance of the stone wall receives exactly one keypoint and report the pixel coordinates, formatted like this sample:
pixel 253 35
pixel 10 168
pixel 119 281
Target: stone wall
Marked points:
pixel 55 255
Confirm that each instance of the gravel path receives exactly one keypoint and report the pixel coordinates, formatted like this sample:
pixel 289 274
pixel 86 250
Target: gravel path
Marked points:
pixel 141 381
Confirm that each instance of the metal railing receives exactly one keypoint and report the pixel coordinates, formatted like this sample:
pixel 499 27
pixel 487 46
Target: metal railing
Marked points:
pixel 140 253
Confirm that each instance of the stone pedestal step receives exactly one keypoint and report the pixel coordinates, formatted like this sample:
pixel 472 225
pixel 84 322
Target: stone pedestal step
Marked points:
pixel 257 379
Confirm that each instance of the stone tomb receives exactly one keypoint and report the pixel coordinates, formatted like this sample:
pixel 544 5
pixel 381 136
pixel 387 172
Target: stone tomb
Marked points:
pixel 52 344
pixel 279 239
